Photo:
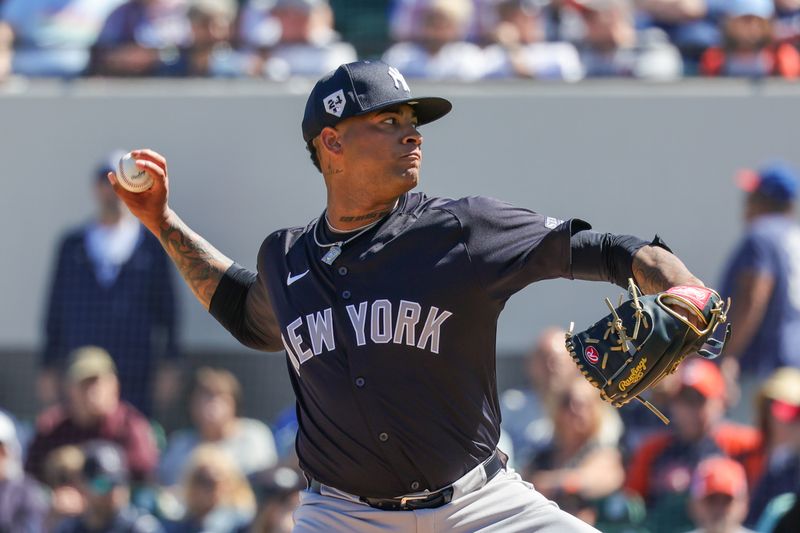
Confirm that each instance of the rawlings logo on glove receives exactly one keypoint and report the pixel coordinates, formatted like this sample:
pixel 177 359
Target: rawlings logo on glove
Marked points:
pixel 645 339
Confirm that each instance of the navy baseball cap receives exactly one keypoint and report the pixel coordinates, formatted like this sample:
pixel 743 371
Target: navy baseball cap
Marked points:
pixel 777 181
pixel 361 87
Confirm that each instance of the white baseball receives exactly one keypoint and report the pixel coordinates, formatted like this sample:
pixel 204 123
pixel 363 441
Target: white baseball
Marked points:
pixel 132 178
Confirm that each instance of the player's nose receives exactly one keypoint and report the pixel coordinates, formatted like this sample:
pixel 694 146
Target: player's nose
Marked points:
pixel 413 137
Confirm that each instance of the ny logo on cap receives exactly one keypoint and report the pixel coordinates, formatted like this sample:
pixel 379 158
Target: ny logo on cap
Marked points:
pixel 399 80
pixel 334 103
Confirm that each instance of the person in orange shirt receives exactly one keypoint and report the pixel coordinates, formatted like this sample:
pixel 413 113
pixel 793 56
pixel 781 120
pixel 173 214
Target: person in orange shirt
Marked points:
pixel 661 469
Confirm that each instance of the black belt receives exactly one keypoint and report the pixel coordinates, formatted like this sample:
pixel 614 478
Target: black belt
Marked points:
pixel 492 465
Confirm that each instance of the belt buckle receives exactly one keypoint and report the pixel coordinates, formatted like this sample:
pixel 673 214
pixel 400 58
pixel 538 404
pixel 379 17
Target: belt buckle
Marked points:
pixel 405 499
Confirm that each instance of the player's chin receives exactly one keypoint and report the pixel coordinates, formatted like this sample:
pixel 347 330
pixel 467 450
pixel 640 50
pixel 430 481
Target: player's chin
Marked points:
pixel 410 178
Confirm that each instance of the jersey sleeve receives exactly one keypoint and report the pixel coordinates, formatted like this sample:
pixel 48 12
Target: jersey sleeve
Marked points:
pixel 242 305
pixel 512 247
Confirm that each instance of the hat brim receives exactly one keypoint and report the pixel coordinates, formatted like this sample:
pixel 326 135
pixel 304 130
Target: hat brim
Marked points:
pixel 427 108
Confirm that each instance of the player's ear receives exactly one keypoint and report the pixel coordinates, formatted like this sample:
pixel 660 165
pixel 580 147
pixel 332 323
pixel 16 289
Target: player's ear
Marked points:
pixel 329 140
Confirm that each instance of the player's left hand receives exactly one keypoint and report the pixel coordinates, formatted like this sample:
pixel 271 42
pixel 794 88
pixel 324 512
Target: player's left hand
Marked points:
pixel 645 339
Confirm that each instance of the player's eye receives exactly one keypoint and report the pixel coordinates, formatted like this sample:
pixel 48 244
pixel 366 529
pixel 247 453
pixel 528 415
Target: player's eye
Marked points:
pixel 390 120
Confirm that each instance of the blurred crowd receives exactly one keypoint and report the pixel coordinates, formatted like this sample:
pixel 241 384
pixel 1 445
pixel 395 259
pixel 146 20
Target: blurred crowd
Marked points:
pixel 100 457
pixel 433 39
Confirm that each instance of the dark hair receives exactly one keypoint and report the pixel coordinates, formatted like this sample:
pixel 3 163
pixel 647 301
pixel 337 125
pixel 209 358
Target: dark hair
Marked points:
pixel 312 151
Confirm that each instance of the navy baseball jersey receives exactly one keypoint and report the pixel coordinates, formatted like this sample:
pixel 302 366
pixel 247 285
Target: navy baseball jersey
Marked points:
pixel 391 348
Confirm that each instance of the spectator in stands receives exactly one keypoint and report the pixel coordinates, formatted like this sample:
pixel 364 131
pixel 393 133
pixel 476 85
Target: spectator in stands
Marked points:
pixel 612 46
pixel 787 21
pixel 62 474
pixel 576 462
pixel 778 410
pixel 440 51
pixel 138 35
pixel 278 494
pixel 406 19
pixel 216 494
pixel 526 413
pixel 521 50
pixel 6 48
pixel 719 496
pixel 209 51
pixel 22 503
pixel 638 421
pixel 94 411
pixel 213 407
pixel 49 37
pixel 661 469
pixel 761 277
pixel 692 25
pixel 295 37
pixel 748 47
pixel 112 287
pixel 104 485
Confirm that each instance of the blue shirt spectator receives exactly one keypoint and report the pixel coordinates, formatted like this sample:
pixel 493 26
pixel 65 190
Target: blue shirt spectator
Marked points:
pixel 53 37
pixel 138 33
pixel 692 25
pixel 112 287
pixel 770 248
pixel 763 275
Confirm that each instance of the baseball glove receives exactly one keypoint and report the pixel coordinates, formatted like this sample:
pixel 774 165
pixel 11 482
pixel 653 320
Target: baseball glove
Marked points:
pixel 645 338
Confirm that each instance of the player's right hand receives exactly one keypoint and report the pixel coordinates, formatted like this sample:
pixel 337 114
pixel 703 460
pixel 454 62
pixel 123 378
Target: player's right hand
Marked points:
pixel 150 206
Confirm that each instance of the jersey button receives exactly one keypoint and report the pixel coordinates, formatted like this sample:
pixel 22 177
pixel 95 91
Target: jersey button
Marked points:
pixel 343 270
pixel 360 382
pixel 346 295
pixel 415 485
pixel 383 437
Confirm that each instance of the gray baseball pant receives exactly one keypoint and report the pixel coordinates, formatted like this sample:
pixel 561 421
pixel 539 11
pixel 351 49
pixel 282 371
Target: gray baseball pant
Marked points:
pixel 505 504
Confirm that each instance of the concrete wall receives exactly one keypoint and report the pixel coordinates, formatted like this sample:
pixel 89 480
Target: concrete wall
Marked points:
pixel 628 157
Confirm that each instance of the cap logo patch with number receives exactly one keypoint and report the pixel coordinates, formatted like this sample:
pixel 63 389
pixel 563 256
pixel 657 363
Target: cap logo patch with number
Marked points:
pixel 592 355
pixel 399 80
pixel 552 222
pixel 334 103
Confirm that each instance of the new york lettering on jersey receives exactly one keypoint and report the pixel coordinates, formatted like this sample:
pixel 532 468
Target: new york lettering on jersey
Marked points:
pixel 373 322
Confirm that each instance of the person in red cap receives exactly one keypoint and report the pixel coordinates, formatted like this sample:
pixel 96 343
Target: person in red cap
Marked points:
pixel 661 469
pixel 719 496
pixel 762 278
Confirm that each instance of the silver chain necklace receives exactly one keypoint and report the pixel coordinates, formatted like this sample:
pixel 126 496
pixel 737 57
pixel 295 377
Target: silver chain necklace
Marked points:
pixel 336 247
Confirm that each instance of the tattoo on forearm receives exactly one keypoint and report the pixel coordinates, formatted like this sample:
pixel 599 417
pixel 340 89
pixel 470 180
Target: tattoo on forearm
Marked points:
pixel 656 270
pixel 200 264
pixel 369 216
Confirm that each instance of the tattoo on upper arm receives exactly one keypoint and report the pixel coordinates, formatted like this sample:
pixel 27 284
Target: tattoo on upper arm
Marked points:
pixel 200 264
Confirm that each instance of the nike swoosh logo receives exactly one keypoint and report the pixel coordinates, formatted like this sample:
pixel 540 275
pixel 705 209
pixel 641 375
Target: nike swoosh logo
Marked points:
pixel 291 279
